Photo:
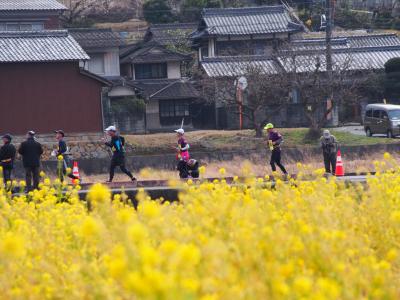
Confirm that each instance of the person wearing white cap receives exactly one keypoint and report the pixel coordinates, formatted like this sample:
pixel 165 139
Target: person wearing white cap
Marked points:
pixel 329 145
pixel 117 144
pixel 183 153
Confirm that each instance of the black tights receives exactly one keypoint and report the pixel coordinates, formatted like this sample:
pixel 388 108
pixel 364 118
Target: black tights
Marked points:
pixel 121 163
pixel 276 159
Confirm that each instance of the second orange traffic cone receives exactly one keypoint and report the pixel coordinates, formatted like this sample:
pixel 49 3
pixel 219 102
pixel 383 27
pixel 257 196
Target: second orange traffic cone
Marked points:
pixel 75 172
pixel 339 165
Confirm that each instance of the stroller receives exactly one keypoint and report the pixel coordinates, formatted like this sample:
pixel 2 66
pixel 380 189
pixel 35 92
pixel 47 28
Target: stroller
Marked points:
pixel 188 169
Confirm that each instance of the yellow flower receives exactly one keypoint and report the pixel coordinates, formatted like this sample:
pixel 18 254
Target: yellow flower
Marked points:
pixel 302 285
pixel 149 209
pixel 137 232
pixel 89 228
pixel 222 171
pixel 202 170
pixel 98 193
pixel 60 158
pixel 12 246
pixel 387 156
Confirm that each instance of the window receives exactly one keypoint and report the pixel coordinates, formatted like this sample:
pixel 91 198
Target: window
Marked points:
pixel 35 26
pixel 25 27
pixel 369 113
pixel 204 51
pixel 259 47
pixel 12 27
pixel 376 114
pixel 394 114
pixel 384 115
pixel 173 111
pixel 151 71
pixel 295 96
pixel 96 63
pixel 248 47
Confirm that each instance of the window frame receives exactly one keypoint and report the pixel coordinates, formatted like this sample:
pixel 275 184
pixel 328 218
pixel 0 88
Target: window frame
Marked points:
pixel 145 71
pixel 172 111
pixel 374 113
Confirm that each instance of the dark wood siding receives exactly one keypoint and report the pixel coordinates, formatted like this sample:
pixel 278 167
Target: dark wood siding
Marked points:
pixel 47 96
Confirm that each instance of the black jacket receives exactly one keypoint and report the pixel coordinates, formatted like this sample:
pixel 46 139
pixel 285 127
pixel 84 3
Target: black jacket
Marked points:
pixel 31 151
pixel 7 155
pixel 117 145
pixel 62 148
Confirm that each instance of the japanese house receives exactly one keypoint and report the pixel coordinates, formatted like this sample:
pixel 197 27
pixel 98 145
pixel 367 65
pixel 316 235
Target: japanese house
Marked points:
pixel 170 97
pixel 43 86
pixel 35 15
pixel 229 41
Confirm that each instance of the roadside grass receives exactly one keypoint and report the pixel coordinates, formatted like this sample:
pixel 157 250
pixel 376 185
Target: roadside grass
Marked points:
pixel 259 167
pixel 220 140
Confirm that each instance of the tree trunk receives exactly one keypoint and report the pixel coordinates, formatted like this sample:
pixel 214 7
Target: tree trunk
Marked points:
pixel 314 131
pixel 259 130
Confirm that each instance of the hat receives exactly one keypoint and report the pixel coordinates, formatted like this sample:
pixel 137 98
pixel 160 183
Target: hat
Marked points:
pixel 60 132
pixel 180 131
pixel 327 133
pixel 111 128
pixel 7 136
pixel 31 132
pixel 269 126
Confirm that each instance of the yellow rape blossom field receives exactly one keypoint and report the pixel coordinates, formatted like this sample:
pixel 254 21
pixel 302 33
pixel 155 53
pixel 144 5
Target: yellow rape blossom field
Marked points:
pixel 319 239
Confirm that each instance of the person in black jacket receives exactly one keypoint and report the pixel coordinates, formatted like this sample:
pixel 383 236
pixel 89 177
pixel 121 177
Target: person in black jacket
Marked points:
pixel 7 157
pixel 117 144
pixel 62 150
pixel 31 151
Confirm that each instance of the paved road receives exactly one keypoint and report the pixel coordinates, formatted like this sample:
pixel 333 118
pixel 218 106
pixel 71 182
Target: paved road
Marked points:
pixel 357 130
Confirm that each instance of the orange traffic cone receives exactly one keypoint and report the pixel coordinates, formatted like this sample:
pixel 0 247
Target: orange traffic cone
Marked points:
pixel 75 172
pixel 339 165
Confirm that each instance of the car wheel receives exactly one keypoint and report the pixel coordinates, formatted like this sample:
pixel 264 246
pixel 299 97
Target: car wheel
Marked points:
pixel 389 134
pixel 368 132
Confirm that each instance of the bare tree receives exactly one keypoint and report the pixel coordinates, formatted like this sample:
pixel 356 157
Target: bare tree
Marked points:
pixel 266 89
pixel 299 71
pixel 319 93
pixel 76 10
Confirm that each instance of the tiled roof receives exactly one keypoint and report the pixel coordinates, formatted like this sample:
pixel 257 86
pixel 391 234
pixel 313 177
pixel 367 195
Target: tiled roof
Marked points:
pixel 162 89
pixel 150 52
pixel 249 20
pixel 346 42
pixel 236 66
pixel 43 46
pixel 373 59
pixel 352 52
pixel 373 40
pixel 12 5
pixel 90 38
pixel 166 34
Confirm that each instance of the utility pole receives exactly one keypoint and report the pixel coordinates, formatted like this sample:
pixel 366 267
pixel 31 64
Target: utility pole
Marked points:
pixel 330 6
pixel 329 24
